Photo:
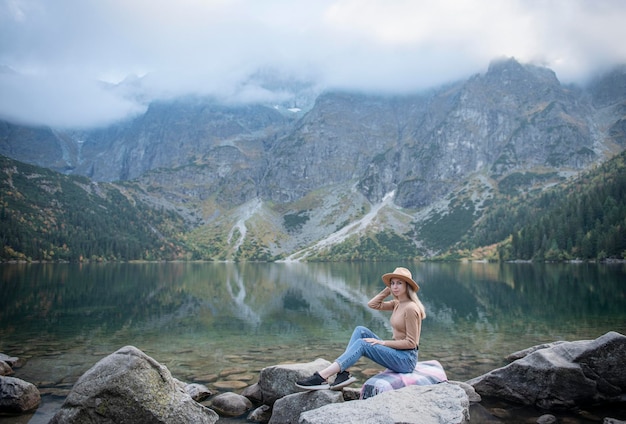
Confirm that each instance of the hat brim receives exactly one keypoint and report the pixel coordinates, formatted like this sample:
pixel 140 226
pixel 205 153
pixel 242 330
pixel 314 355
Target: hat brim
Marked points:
pixel 387 280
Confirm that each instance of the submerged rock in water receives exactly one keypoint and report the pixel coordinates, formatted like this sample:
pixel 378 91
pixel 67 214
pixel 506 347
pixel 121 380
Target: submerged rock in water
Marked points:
pixel 198 392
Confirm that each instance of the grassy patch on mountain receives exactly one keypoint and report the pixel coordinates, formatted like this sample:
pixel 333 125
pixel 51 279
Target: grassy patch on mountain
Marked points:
pixel 383 246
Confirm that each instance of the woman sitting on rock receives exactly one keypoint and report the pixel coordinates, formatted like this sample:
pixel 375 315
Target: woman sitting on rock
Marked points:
pixel 399 354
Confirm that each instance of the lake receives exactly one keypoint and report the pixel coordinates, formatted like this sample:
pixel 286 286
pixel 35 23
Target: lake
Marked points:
pixel 219 324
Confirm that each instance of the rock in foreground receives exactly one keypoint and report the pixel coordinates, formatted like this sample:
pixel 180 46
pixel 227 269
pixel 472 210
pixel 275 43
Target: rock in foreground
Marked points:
pixel 563 375
pixel 128 386
pixel 439 403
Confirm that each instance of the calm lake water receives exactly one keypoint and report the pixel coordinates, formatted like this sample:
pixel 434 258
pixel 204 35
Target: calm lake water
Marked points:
pixel 219 324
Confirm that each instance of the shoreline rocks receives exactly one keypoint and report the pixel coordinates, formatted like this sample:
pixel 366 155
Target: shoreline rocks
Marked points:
pixel 130 386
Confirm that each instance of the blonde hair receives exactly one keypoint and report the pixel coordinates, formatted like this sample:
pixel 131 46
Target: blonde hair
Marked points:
pixel 413 296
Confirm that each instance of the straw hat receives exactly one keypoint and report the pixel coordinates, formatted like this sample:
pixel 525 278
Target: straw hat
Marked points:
pixel 401 274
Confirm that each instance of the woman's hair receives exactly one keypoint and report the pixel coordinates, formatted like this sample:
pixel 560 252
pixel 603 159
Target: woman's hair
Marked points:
pixel 414 298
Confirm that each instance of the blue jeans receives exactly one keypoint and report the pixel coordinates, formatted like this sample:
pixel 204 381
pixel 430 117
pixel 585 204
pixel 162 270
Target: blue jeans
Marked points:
pixel 396 360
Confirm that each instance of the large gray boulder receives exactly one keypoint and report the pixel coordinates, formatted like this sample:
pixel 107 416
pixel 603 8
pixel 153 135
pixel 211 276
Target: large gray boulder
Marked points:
pixel 128 386
pixel 17 396
pixel 436 404
pixel 563 375
pixel 278 381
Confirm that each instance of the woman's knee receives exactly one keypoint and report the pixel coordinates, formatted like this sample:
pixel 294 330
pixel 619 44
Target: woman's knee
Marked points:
pixel 362 345
pixel 359 332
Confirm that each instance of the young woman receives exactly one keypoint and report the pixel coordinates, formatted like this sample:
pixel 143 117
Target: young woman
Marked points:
pixel 398 354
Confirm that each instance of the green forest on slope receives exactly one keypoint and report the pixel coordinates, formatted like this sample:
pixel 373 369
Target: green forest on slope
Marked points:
pixel 49 216
pixel 583 219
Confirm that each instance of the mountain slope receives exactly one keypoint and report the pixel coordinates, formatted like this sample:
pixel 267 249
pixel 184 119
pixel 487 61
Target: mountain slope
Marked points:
pixel 582 219
pixel 49 216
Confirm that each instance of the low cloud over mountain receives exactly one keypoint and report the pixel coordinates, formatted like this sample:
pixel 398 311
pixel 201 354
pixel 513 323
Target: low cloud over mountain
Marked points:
pixel 61 52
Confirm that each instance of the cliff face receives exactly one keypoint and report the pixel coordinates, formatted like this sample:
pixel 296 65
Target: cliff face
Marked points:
pixel 193 153
pixel 512 118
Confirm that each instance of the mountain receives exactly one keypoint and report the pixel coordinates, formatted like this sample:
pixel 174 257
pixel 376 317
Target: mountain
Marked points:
pixel 352 175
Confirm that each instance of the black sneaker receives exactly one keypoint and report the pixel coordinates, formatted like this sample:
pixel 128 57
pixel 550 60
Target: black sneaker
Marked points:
pixel 314 382
pixel 342 380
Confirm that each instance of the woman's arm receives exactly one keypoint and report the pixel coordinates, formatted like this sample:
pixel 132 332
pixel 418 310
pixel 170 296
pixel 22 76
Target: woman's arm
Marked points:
pixel 378 301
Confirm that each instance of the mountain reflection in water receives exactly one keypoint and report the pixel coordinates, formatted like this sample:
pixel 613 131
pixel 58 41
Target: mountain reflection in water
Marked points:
pixel 199 319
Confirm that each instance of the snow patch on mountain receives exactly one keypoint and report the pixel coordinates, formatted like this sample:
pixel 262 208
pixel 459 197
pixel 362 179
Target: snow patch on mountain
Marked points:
pixel 246 212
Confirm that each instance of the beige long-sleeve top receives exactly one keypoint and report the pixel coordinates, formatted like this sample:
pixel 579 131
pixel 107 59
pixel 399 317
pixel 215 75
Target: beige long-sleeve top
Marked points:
pixel 405 320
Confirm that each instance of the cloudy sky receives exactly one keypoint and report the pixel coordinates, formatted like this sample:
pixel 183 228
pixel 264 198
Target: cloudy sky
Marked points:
pixel 54 55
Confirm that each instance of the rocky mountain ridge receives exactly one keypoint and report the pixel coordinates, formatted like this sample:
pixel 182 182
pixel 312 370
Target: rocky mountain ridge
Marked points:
pixel 296 184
